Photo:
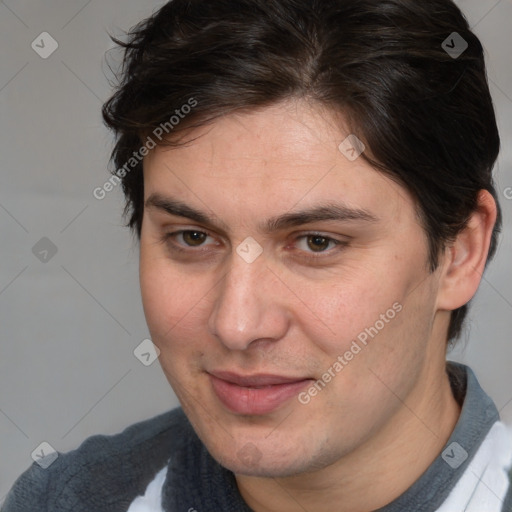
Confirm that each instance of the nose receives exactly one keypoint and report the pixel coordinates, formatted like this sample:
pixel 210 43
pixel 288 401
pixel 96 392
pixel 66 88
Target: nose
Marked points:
pixel 247 307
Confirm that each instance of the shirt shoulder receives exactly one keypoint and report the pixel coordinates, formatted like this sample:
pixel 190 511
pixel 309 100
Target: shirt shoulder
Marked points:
pixel 106 472
pixel 507 504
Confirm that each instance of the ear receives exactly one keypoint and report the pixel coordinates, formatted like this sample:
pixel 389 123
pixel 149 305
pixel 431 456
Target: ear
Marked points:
pixel 464 261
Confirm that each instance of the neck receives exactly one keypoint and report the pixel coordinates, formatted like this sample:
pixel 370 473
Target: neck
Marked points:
pixel 401 452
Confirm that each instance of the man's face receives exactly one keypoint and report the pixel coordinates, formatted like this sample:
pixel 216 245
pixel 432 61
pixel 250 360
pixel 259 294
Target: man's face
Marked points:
pixel 244 336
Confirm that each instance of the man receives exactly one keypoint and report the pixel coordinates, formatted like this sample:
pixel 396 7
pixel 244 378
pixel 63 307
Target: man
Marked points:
pixel 311 185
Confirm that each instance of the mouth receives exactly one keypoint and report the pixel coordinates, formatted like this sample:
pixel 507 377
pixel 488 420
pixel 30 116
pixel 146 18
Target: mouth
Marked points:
pixel 255 394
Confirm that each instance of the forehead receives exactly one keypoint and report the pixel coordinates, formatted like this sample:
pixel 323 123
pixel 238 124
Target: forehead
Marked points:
pixel 274 158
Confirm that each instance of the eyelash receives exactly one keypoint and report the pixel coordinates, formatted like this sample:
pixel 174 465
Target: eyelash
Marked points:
pixel 167 237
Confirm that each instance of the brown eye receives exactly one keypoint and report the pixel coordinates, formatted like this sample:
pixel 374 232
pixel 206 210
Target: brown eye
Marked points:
pixel 194 238
pixel 318 243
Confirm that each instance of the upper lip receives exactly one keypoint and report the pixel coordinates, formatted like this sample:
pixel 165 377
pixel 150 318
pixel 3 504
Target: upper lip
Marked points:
pixel 260 379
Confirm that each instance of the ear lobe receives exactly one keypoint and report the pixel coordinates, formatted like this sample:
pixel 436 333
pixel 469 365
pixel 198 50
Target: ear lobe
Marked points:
pixel 464 261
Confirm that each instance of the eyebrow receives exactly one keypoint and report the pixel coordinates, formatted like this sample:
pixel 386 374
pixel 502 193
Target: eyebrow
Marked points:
pixel 322 212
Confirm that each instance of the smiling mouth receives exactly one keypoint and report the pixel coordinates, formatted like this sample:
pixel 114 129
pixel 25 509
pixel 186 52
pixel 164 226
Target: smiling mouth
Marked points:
pixel 255 394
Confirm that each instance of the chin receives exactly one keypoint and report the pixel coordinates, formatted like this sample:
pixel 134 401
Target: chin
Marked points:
pixel 263 460
pixel 268 469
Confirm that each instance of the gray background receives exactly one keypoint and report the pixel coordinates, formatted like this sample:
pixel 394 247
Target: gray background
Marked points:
pixel 69 325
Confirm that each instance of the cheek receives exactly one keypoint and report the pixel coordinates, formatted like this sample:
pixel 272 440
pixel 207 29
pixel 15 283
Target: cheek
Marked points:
pixel 370 329
pixel 389 363
pixel 348 311
pixel 175 315
pixel 171 300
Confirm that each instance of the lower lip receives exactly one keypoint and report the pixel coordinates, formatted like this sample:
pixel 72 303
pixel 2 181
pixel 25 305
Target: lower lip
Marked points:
pixel 242 400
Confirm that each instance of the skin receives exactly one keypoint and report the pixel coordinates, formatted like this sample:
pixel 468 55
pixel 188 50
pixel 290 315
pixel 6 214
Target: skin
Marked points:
pixel 390 410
